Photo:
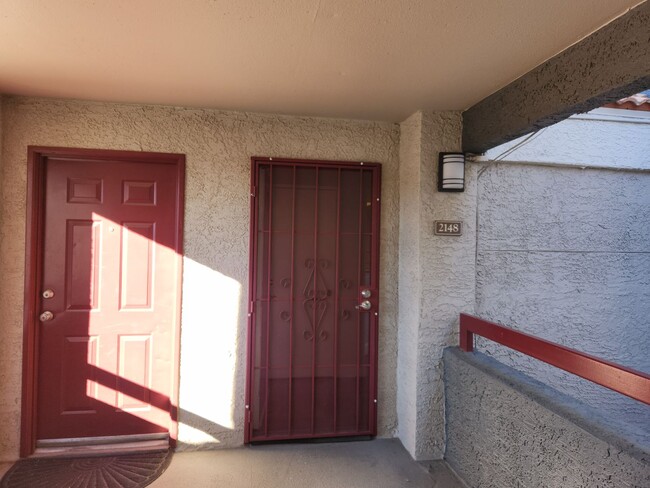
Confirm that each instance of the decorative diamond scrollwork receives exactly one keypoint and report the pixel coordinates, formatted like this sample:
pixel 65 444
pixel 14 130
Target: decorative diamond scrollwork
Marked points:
pixel 321 309
pixel 316 295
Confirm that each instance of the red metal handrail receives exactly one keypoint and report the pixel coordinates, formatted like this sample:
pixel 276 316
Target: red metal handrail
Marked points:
pixel 627 381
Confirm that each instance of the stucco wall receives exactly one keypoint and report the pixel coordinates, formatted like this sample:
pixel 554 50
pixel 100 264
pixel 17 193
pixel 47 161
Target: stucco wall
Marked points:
pixel 410 278
pixel 505 430
pixel 7 399
pixel 218 146
pixel 606 137
pixel 1 201
pixel 437 276
pixel 564 253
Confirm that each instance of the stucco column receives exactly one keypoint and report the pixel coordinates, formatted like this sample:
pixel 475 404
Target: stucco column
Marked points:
pixel 1 179
pixel 436 277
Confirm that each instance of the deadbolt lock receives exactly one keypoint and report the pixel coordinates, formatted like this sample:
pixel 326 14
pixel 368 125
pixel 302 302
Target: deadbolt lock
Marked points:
pixel 45 316
pixel 48 293
pixel 366 293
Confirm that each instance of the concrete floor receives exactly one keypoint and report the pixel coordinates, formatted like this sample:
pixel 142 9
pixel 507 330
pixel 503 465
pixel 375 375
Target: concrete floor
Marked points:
pixel 380 463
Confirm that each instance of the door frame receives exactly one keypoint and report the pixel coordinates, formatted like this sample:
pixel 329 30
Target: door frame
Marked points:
pixel 36 159
pixel 256 161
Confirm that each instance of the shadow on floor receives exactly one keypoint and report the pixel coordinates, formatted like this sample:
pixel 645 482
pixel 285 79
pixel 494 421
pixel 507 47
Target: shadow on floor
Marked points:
pixel 380 463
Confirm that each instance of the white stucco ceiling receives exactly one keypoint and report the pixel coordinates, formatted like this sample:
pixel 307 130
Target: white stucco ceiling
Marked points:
pixel 370 59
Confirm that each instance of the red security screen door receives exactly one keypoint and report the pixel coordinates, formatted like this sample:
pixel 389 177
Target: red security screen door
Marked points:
pixel 106 304
pixel 312 362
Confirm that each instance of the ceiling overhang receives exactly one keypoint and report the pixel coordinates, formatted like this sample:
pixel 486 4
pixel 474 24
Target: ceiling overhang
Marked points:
pixel 366 59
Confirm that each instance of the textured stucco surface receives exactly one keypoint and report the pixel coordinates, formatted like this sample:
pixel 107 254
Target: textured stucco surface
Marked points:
pixel 1 176
pixel 218 146
pixel 505 430
pixel 8 403
pixel 410 278
pixel 437 275
pixel 610 64
pixel 564 254
pixel 604 137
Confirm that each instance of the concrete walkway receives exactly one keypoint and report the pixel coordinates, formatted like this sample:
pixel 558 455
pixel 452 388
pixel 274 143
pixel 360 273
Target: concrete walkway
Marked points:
pixel 380 463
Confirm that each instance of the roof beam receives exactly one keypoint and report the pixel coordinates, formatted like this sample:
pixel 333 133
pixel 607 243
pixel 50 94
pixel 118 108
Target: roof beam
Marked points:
pixel 610 64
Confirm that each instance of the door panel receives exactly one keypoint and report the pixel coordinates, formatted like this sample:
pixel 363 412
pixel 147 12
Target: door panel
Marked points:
pixel 134 358
pixel 79 358
pixel 312 352
pixel 82 257
pixel 137 263
pixel 110 248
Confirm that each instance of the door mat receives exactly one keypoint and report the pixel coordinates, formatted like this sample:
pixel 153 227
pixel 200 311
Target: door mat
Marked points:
pixel 118 471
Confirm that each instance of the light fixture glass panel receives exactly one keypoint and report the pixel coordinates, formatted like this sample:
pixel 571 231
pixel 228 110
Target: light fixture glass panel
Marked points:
pixel 451 172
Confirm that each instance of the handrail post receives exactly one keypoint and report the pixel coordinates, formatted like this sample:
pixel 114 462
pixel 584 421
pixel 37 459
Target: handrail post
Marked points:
pixel 466 337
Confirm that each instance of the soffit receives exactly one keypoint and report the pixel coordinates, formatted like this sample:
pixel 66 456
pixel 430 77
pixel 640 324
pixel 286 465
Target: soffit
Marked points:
pixel 368 59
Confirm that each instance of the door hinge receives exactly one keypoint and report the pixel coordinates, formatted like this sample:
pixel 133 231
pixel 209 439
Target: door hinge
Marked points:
pixel 253 192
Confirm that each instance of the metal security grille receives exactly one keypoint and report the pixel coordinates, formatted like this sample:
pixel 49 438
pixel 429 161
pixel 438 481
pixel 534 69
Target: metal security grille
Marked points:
pixel 312 352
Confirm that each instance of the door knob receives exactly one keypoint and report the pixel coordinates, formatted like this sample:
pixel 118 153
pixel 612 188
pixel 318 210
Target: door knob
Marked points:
pixel 364 305
pixel 45 316
pixel 48 293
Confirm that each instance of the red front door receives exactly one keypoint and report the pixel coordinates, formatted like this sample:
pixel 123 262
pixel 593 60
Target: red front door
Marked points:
pixel 108 295
pixel 312 362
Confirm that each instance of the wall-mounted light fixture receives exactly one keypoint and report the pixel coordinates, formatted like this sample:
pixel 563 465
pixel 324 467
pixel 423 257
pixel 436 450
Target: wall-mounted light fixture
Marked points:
pixel 451 171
